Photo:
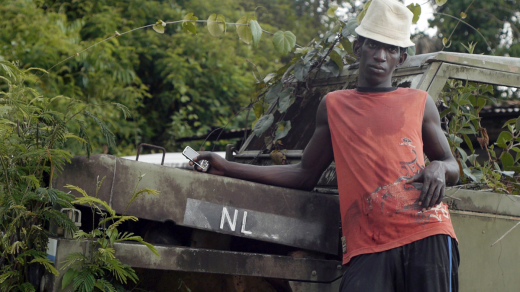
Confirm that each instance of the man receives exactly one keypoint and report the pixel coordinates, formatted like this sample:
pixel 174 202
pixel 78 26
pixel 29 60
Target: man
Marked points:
pixel 397 233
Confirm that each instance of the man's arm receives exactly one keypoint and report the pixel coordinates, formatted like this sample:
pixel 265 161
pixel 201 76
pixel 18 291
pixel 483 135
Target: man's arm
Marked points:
pixel 316 157
pixel 443 168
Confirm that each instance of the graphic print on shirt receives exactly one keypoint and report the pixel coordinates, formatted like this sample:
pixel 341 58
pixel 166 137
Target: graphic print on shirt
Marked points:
pixel 400 197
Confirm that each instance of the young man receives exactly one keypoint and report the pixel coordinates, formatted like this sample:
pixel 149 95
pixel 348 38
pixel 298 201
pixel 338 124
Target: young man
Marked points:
pixel 397 233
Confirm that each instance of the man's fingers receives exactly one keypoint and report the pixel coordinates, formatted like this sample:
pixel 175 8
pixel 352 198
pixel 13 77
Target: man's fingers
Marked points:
pixel 415 178
pixel 441 194
pixel 202 156
pixel 434 197
pixel 424 191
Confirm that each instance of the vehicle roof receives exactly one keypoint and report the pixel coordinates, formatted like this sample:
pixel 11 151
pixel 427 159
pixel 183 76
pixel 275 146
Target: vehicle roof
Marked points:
pixel 509 64
pixel 172 159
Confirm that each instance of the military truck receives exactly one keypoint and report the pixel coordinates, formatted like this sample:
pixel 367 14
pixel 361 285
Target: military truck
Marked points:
pixel 224 234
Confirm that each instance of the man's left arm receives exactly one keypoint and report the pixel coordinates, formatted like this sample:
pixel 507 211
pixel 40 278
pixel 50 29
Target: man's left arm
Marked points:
pixel 443 168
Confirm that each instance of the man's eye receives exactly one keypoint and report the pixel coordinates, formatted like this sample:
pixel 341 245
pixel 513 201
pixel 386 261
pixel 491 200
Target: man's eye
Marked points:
pixel 371 45
pixel 393 49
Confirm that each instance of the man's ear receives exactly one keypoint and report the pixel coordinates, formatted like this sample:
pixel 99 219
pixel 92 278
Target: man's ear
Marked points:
pixel 356 48
pixel 403 57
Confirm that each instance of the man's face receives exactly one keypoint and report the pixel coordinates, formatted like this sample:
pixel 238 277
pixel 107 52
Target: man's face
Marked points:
pixel 377 62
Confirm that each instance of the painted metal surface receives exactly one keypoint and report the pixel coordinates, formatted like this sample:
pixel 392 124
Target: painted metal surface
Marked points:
pixel 226 262
pixel 285 216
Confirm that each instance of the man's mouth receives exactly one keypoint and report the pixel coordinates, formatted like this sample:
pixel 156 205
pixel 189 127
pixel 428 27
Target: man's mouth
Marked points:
pixel 377 68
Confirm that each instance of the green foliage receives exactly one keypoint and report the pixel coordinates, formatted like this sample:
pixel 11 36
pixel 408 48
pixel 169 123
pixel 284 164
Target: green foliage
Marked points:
pixel 497 21
pixel 102 270
pixel 33 129
pixel 284 42
pixel 218 28
pixel 463 102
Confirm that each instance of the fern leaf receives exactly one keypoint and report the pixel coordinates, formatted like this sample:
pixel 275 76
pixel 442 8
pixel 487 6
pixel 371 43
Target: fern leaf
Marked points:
pixel 7 275
pixel 47 264
pixel 118 270
pixel 105 286
pixel 84 281
pixel 121 219
pixel 61 219
pixel 73 258
pixel 140 240
pixel 91 200
pixel 124 109
pixel 77 189
pixel 26 287
pixel 109 136
pixel 83 134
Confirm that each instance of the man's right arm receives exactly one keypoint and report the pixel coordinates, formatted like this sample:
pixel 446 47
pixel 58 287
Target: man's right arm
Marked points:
pixel 316 157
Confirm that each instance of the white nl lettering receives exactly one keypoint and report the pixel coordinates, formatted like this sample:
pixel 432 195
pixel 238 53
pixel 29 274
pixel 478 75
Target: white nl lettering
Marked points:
pixel 225 214
pixel 233 223
pixel 244 220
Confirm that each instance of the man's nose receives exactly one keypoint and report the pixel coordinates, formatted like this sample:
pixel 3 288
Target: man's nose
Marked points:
pixel 380 55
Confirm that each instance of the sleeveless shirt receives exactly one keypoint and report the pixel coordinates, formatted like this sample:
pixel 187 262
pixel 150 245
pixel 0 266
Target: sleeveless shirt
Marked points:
pixel 377 143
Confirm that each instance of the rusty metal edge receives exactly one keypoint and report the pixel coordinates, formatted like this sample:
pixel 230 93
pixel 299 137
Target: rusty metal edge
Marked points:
pixel 227 262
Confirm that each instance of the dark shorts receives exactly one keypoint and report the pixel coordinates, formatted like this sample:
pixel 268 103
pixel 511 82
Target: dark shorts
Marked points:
pixel 427 265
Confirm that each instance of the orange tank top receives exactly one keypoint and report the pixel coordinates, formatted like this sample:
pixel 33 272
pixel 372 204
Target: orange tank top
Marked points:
pixel 377 141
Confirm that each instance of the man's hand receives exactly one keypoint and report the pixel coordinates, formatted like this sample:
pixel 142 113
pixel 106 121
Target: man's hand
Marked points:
pixel 433 178
pixel 217 164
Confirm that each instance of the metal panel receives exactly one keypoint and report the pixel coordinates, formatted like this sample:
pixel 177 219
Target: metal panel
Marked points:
pixel 483 202
pixel 177 186
pixel 484 267
pixel 479 75
pixel 225 262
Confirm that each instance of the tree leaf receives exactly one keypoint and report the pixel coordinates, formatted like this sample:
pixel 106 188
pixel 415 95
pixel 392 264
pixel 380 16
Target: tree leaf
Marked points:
pixel 445 42
pixel 263 124
pixel 285 100
pixel 67 278
pixel 331 11
pixel 416 10
pixel 301 70
pixel 214 28
pixel 283 129
pixel 517 124
pixel 350 28
pixel 158 27
pixel 463 154
pixel 334 56
pixel 440 2
pixel 363 12
pixel 347 45
pixel 503 139
pixel 187 23
pixel 463 15
pixel 468 173
pixel 272 95
pixel 468 143
pixel 243 31
pixel 256 32
pixel 507 160
pixel 258 109
pixel 269 76
pixel 284 42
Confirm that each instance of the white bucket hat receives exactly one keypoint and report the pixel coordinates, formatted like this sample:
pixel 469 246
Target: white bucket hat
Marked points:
pixel 387 21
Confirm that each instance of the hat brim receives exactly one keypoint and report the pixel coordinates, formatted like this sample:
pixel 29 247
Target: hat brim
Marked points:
pixel 382 38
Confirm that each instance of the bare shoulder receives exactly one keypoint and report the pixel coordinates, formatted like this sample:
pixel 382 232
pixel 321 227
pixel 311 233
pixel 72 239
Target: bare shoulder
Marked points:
pixel 431 113
pixel 321 114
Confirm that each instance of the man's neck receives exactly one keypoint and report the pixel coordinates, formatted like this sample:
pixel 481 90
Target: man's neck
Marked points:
pixel 375 89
